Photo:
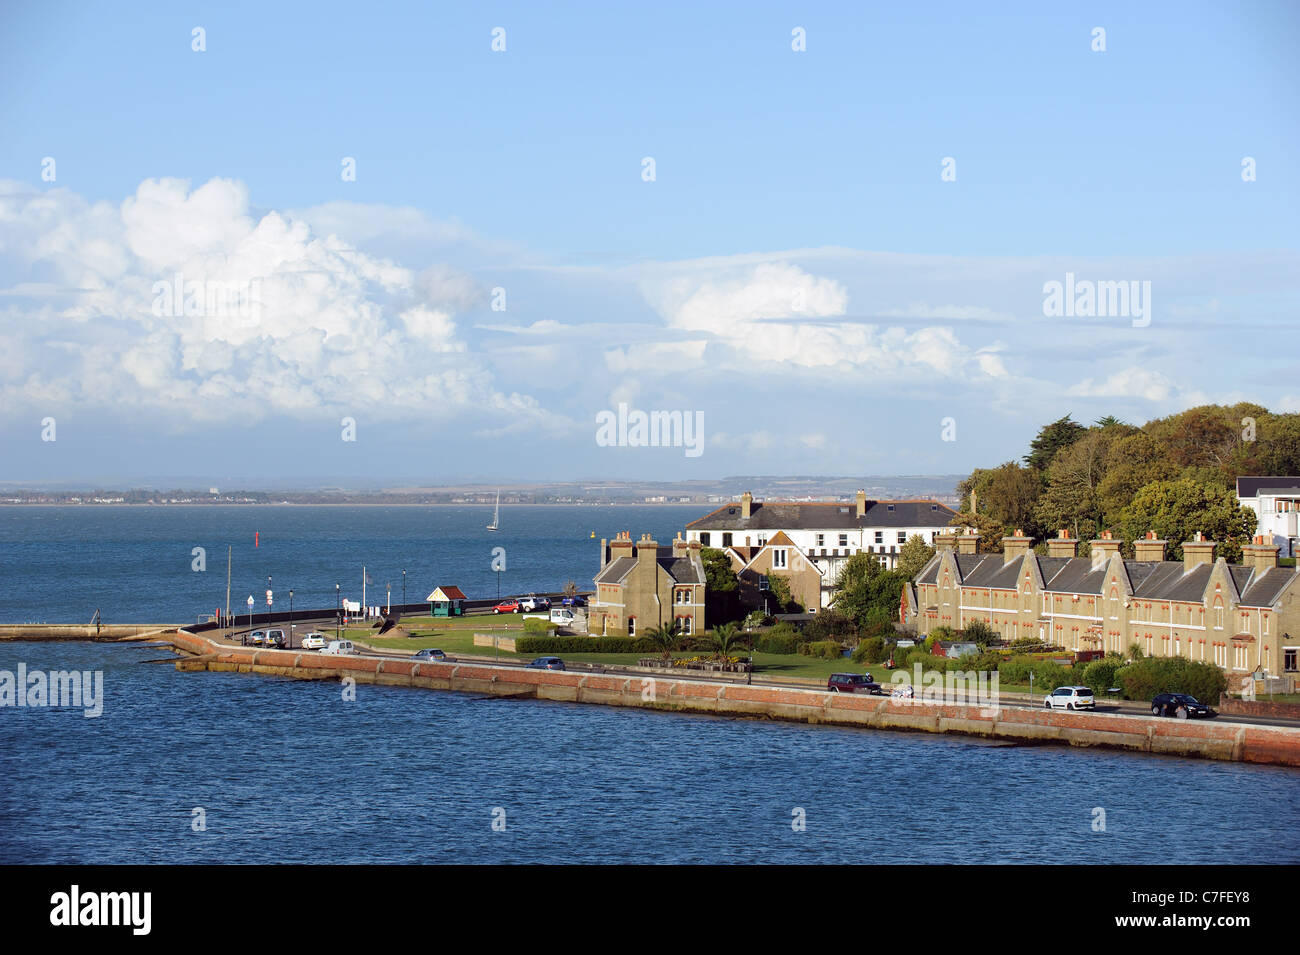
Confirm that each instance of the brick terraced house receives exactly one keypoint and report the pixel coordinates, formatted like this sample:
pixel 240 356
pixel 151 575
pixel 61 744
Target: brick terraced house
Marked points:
pixel 1241 617
pixel 642 585
pixel 815 539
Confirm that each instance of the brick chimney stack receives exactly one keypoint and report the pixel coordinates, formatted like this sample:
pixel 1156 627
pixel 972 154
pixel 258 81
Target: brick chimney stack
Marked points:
pixel 1062 545
pixel 1197 551
pixel 968 541
pixel 946 540
pixel 679 546
pixel 621 546
pixel 1103 548
pixel 862 503
pixel 1260 554
pixel 1015 545
pixel 746 504
pixel 1148 548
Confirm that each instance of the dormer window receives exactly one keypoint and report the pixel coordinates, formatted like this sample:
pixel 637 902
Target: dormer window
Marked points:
pixel 891 507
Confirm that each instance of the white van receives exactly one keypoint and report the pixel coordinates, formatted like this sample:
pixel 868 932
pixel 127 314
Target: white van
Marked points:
pixel 339 647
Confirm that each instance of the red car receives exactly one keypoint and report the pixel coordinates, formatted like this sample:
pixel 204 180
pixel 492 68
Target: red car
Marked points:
pixel 853 683
pixel 507 606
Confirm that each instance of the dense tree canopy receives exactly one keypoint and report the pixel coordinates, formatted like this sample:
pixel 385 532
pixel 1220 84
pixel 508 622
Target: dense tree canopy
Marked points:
pixel 1091 478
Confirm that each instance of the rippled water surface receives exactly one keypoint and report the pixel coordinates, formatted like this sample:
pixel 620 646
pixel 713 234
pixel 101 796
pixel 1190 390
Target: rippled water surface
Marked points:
pixel 286 771
pixel 138 564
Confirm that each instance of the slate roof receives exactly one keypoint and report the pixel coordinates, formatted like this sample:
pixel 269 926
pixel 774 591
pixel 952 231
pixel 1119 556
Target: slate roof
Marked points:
pixel 1264 589
pixel 1251 486
pixel 680 569
pixel 1150 580
pixel 805 516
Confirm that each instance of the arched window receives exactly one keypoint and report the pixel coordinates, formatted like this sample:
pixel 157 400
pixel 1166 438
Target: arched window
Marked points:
pixel 631 626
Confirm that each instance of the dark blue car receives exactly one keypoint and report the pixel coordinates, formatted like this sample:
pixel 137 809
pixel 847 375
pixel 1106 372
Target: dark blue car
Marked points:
pixel 547 663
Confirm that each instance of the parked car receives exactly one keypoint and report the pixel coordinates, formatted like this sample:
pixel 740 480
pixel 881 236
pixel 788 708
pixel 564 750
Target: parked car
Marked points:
pixel 429 654
pixel 507 606
pixel 1070 698
pixel 854 683
pixel 257 638
pixel 533 602
pixel 313 641
pixel 275 638
pixel 339 648
pixel 1181 706
pixel 577 600
pixel 547 663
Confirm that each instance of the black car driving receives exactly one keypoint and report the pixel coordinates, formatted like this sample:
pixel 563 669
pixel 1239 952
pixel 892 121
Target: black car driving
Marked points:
pixel 1181 706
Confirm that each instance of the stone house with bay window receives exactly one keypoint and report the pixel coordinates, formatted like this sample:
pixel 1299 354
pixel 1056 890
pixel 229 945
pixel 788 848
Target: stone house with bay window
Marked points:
pixel 1242 617
pixel 642 585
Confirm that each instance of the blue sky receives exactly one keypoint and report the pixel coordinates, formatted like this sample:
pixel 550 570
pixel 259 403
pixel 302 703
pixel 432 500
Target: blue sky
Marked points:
pixel 797 269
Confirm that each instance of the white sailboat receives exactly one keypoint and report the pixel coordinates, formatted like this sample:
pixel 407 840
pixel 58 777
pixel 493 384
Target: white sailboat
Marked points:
pixel 496 516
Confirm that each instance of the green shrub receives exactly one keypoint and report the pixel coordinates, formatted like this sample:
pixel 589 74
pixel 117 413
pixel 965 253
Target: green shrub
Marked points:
pixel 943 633
pixel 980 633
pixel 1015 670
pixel 1100 674
pixel 542 644
pixel 870 650
pixel 1143 679
pixel 783 638
pixel 830 625
pixel 536 626
pixel 822 649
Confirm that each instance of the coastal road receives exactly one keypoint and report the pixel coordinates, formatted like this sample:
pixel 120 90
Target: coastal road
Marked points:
pixel 1017 700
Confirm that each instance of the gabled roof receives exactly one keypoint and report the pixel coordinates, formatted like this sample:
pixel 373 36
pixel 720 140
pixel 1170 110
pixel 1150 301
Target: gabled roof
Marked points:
pixel 446 592
pixel 825 515
pixel 1265 588
pixel 681 569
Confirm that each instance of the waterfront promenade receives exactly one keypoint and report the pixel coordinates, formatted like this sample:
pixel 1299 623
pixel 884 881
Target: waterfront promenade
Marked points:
pixel 1015 720
pixel 1245 742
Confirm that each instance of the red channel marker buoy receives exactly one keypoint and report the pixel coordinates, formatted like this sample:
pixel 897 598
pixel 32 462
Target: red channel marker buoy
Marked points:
pixel 255 533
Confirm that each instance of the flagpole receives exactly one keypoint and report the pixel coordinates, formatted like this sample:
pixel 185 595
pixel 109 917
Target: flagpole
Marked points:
pixel 364 605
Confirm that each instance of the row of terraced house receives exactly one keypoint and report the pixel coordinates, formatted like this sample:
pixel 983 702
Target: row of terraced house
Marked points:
pixel 1243 617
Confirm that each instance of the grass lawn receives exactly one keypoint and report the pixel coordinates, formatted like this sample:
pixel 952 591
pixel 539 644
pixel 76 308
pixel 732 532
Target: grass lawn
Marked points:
pixel 455 636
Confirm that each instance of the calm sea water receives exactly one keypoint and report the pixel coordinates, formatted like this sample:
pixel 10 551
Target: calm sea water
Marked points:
pixel 58 564
pixel 286 771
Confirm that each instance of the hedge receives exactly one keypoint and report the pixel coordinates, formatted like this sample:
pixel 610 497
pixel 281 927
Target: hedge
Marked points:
pixel 822 649
pixel 1047 675
pixel 1143 679
pixel 532 644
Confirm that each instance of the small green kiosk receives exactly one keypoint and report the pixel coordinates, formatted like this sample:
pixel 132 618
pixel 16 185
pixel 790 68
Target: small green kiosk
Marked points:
pixel 446 601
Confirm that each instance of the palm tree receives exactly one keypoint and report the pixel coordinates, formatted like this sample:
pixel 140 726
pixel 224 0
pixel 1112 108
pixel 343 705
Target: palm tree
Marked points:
pixel 667 638
pixel 723 640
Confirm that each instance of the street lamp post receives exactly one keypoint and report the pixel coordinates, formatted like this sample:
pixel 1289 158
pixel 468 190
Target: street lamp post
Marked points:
pixel 338 613
pixel 403 590
pixel 290 618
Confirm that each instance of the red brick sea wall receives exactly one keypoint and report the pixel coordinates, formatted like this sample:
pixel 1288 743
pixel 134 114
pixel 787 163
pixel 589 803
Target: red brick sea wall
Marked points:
pixel 1204 739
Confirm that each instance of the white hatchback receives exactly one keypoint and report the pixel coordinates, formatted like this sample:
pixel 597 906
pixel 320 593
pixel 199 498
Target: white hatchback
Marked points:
pixel 1070 698
pixel 313 641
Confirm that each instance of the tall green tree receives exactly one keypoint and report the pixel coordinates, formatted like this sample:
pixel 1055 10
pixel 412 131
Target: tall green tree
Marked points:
pixel 1051 438
pixel 1176 510
pixel 866 592
pixel 722 587
pixel 913 555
